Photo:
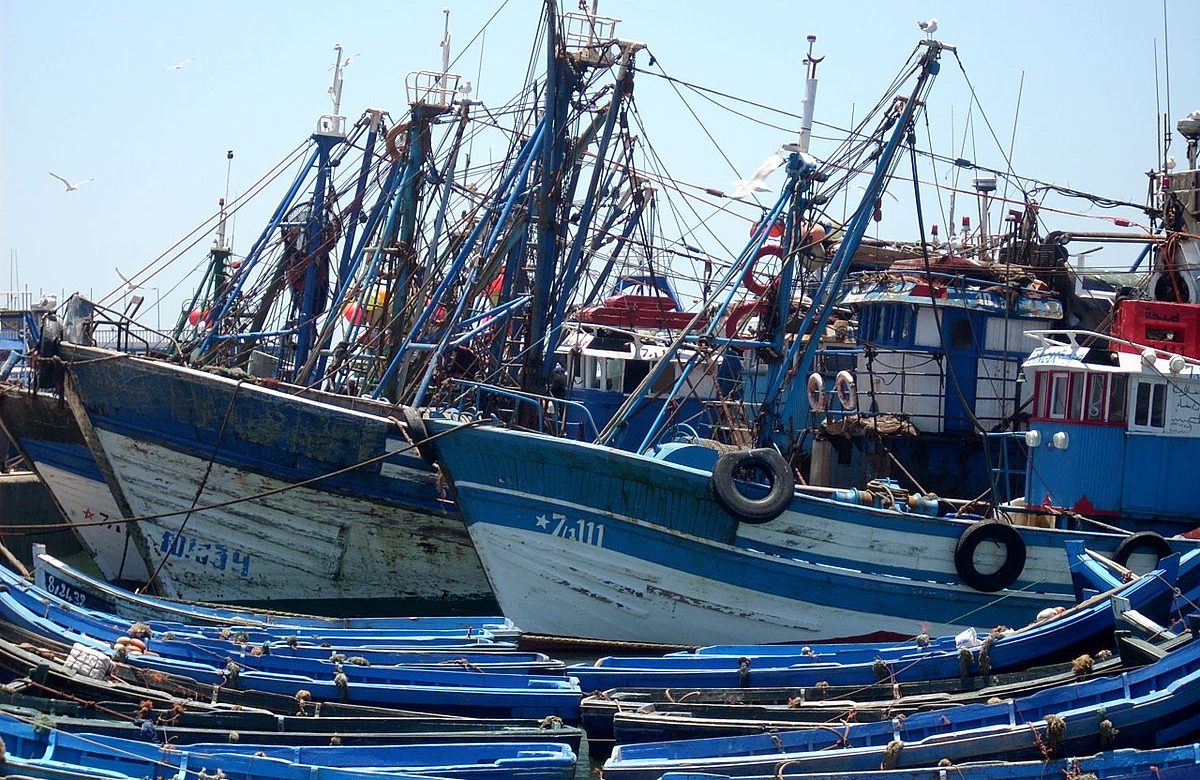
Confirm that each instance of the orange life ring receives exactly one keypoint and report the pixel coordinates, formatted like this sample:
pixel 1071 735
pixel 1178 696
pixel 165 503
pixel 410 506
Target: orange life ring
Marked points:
pixel 748 280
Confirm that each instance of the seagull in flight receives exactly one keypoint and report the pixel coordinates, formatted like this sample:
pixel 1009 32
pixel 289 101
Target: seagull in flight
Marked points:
pixel 756 182
pixel 128 284
pixel 71 187
pixel 179 65
pixel 929 27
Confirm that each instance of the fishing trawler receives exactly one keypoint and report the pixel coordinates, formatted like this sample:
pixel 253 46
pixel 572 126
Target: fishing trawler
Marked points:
pixel 678 541
pixel 1127 403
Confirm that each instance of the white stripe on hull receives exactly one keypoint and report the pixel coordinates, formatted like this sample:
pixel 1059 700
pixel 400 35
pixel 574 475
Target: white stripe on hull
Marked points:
pixel 87 501
pixel 298 544
pixel 552 585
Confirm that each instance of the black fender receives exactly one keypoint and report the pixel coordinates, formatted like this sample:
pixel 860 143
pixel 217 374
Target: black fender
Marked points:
pixel 1142 541
pixel 753 510
pixel 418 433
pixel 990 531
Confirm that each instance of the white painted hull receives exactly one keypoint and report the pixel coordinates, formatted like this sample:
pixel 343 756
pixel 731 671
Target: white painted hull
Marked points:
pixel 299 544
pixel 550 585
pixel 86 502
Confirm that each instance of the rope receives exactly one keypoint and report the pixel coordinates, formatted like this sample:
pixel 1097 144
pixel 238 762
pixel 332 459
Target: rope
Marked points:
pixel 22 530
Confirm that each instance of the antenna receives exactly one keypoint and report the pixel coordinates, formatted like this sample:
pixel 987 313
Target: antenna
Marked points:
pixel 1167 72
pixel 810 96
pixel 220 244
pixel 335 123
pixel 445 49
pixel 335 89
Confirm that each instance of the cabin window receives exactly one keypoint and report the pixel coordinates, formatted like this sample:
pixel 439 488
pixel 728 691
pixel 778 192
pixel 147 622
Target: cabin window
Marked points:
pixel 1058 396
pixel 1150 405
pixel 1095 397
pixel 612 374
pixel 1158 406
pixel 893 324
pixel 1041 384
pixel 1076 410
pixel 1116 398
pixel 868 323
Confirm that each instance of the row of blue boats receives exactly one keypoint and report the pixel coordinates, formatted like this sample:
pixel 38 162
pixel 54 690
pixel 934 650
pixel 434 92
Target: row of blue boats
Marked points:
pixel 1110 686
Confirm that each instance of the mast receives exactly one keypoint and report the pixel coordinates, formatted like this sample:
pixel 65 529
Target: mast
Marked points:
pixel 779 414
pixel 331 131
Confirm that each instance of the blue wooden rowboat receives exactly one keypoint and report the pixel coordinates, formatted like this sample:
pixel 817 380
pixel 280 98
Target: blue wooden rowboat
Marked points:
pixel 24 609
pixel 80 588
pixel 1175 763
pixel 1085 628
pixel 430 636
pixel 479 761
pixel 1158 705
pixel 432 690
pixel 278 656
pixel 1096 573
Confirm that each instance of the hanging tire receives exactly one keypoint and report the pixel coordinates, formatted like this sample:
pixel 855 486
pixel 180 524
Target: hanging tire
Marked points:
pixel 418 433
pixel 753 510
pixel 990 531
pixel 1142 542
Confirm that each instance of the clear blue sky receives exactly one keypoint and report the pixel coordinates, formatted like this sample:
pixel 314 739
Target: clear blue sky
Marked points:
pixel 86 92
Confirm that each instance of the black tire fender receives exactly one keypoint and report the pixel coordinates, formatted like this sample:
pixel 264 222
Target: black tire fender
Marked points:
pixel 990 531
pixel 418 433
pixel 753 510
pixel 1142 541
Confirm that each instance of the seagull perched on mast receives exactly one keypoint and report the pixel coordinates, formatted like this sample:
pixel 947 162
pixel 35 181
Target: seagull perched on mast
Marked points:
pixel 929 27
pixel 71 187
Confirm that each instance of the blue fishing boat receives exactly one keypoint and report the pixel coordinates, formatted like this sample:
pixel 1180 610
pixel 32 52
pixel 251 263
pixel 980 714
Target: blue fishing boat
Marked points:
pixel 1086 628
pixel 1124 401
pixel 1128 764
pixel 679 541
pixel 453 690
pixel 68 584
pixel 321 496
pixel 34 418
pixel 531 761
pixel 1154 706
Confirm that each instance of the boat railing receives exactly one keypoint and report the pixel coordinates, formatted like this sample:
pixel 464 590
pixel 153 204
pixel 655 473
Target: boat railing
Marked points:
pixel 545 408
pixel 1090 338
pixel 587 37
pixel 16 300
pixel 432 89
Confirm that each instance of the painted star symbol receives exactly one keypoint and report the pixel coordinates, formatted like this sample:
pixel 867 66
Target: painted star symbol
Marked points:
pixel 88 514
pixel 542 522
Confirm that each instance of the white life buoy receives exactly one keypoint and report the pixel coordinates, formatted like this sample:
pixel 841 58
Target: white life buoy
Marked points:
pixel 816 392
pixel 847 395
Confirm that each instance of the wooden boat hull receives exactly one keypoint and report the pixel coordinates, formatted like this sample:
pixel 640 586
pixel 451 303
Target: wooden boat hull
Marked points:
pixel 592 542
pixel 46 434
pixel 169 438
